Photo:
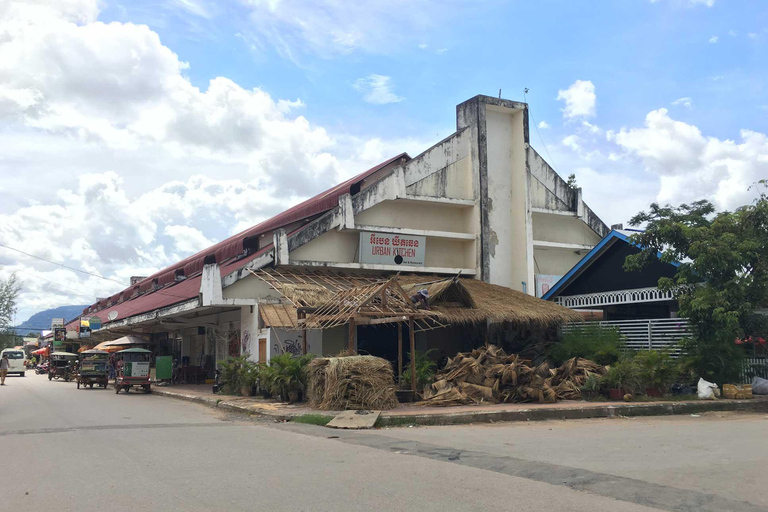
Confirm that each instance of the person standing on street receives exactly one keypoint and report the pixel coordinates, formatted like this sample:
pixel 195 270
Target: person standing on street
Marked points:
pixel 4 365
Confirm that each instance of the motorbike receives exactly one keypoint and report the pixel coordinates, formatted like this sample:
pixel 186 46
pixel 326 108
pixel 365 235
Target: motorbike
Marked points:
pixel 41 369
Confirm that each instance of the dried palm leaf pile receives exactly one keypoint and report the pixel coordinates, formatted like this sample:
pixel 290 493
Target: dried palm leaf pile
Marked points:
pixel 350 382
pixel 490 375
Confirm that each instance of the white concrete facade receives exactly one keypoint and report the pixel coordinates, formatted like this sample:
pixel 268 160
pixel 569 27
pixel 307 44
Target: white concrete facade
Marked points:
pixel 489 206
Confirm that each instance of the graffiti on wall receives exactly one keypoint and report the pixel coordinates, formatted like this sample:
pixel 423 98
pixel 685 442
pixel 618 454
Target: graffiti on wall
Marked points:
pixel 288 346
pixel 233 336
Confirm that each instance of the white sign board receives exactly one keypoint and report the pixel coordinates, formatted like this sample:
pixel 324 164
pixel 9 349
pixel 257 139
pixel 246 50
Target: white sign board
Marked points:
pixel 544 282
pixel 390 249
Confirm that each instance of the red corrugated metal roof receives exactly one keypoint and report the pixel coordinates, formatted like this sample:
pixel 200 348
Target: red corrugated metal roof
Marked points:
pixel 227 252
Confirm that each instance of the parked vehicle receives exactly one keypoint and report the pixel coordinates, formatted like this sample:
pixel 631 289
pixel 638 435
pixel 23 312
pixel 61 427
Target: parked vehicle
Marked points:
pixel 62 366
pixel 42 368
pixel 133 369
pixel 93 369
pixel 16 360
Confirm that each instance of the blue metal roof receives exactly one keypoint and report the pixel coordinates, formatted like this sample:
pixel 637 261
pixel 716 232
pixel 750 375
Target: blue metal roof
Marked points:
pixel 598 249
pixel 609 239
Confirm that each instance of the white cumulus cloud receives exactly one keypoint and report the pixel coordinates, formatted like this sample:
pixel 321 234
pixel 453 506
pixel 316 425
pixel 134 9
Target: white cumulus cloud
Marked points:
pixel 579 99
pixel 187 239
pixel 691 165
pixel 126 166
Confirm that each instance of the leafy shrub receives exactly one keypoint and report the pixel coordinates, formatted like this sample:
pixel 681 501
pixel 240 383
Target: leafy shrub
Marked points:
pixel 718 361
pixel 236 372
pixel 624 374
pixel 425 370
pixel 602 345
pixel 593 383
pixel 286 375
pixel 656 369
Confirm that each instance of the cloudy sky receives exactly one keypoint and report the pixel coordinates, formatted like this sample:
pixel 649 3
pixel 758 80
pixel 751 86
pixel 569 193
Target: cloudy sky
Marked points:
pixel 133 133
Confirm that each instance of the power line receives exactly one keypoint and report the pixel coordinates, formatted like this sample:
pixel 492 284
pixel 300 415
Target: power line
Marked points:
pixel 530 111
pixel 62 265
pixel 159 292
pixel 57 284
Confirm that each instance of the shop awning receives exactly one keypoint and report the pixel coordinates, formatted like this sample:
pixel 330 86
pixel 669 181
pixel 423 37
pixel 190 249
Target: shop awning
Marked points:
pixel 122 344
pixel 42 351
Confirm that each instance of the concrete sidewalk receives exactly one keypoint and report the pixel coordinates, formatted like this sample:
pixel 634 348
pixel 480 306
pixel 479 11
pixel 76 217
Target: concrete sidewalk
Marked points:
pixel 412 414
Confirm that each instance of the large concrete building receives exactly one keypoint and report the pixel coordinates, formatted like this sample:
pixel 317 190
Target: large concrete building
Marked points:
pixel 482 203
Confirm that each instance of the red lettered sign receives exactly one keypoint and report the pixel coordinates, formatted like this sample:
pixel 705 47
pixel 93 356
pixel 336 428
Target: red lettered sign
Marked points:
pixel 392 249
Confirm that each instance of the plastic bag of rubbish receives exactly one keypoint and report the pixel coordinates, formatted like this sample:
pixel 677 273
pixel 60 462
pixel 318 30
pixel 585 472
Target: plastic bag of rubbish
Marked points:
pixel 759 386
pixel 706 390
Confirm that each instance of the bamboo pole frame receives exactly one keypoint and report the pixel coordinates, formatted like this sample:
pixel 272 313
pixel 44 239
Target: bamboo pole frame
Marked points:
pixel 413 354
pixel 352 342
pixel 399 353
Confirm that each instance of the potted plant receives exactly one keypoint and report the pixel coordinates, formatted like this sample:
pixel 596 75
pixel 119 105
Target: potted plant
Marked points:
pixel 591 387
pixel 622 378
pixel 232 374
pixel 425 374
pixel 249 376
pixel 286 376
pixel 656 370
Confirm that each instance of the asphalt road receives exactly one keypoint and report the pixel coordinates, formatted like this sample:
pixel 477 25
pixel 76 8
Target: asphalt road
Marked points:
pixel 82 450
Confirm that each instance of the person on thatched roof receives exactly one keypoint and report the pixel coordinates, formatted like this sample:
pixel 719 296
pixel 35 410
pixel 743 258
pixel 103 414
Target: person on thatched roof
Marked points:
pixel 421 298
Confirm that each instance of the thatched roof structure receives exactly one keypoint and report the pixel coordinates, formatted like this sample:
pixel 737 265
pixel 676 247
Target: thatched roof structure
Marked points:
pixel 279 315
pixel 452 300
pixel 487 302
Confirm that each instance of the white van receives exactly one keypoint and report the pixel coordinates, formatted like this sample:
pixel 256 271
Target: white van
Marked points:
pixel 16 359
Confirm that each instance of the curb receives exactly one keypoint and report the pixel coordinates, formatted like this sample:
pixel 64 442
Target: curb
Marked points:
pixel 600 411
pixel 218 403
pixel 533 414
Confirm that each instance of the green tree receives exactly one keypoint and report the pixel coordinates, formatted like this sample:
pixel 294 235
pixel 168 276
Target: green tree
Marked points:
pixel 721 278
pixel 9 292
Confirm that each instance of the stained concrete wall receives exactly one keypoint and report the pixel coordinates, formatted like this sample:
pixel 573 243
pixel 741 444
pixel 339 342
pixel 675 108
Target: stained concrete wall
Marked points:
pixel 555 262
pixel 419 215
pixel 249 328
pixel 562 229
pixel 454 181
pixel 508 216
pixel 334 246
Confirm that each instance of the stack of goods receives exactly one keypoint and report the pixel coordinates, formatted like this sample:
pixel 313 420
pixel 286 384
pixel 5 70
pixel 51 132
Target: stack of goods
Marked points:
pixel 489 375
pixel 737 392
pixel 351 382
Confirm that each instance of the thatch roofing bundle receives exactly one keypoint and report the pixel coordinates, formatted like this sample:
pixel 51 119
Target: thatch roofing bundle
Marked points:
pixel 279 315
pixel 471 301
pixel 452 300
pixel 489 375
pixel 350 382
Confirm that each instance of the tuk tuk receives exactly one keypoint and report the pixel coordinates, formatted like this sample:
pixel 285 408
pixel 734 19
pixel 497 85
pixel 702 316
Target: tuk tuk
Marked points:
pixel 132 369
pixel 62 366
pixel 93 368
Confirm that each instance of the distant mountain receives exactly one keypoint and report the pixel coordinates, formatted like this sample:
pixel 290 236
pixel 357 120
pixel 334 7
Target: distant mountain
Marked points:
pixel 42 320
